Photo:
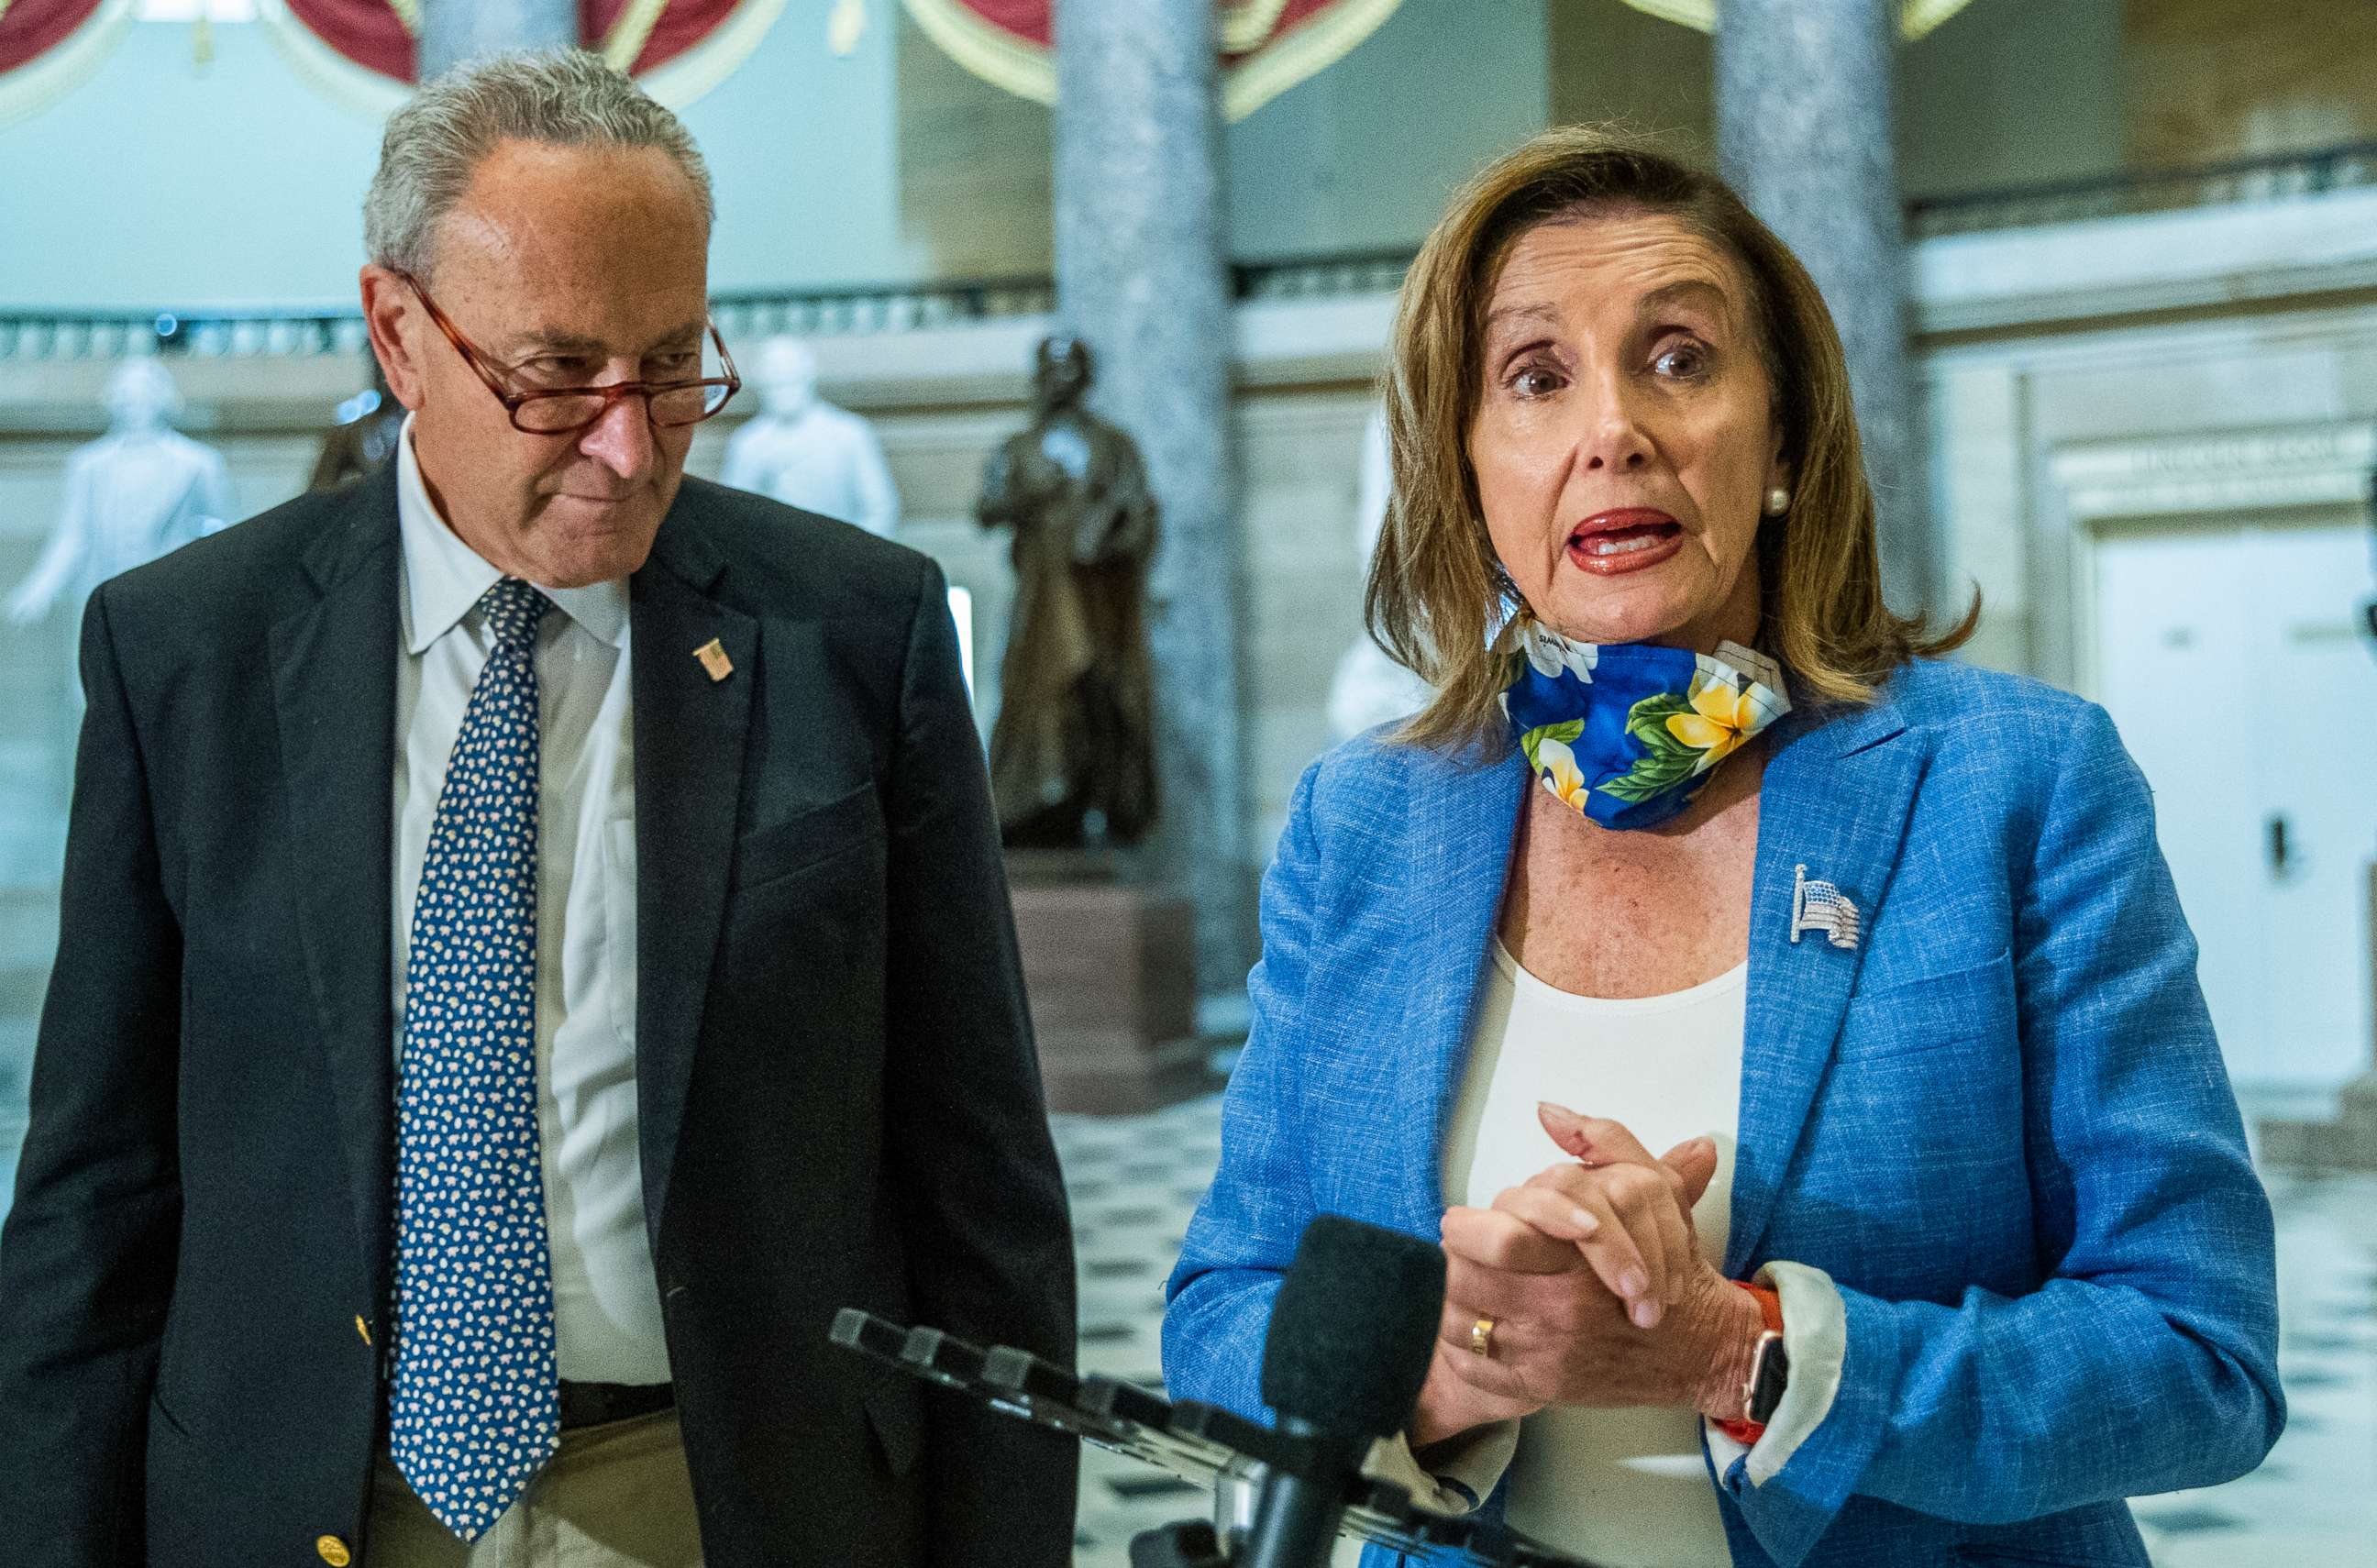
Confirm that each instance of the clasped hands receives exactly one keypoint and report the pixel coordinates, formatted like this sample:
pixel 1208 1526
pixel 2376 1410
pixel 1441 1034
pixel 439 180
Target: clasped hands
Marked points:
pixel 1592 1277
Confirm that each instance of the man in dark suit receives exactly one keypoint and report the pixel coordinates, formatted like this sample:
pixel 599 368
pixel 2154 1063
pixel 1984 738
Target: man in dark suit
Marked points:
pixel 533 946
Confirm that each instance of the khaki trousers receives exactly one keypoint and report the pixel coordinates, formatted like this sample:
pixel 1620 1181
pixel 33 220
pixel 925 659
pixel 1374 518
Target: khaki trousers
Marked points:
pixel 615 1496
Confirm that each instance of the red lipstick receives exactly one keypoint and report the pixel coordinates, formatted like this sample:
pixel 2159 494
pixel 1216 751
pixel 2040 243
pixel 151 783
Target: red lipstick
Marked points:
pixel 1624 539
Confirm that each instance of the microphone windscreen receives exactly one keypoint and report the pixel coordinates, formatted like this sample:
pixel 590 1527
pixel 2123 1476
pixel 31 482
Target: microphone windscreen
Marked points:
pixel 1354 1327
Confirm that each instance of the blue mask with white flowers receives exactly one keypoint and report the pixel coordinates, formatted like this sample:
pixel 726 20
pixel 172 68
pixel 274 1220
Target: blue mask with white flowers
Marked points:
pixel 1628 733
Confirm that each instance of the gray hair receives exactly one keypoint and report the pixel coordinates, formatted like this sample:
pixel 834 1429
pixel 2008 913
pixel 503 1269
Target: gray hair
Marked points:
pixel 434 145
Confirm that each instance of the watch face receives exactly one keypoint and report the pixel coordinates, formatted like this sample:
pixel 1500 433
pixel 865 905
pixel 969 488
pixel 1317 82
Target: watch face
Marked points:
pixel 1768 1378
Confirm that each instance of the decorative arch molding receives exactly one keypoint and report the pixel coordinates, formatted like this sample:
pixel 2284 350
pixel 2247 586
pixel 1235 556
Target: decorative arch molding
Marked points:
pixel 1915 18
pixel 49 47
pixel 359 53
pixel 1267 46
pixel 2213 475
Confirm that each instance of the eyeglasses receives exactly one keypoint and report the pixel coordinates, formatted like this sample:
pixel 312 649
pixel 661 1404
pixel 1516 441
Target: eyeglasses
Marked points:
pixel 561 411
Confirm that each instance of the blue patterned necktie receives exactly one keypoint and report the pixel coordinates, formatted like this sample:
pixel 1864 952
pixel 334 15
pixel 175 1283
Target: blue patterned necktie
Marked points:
pixel 474 1398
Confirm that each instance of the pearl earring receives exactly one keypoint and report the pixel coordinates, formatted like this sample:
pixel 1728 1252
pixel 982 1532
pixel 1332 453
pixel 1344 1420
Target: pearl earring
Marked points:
pixel 1778 500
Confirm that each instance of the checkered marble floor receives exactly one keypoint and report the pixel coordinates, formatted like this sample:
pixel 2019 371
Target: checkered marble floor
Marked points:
pixel 1135 1181
pixel 2314 1500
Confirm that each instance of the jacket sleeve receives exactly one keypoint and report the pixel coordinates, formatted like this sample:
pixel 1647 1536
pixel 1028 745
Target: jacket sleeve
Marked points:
pixel 970 1153
pixel 1243 1236
pixel 2146 1360
pixel 86 1256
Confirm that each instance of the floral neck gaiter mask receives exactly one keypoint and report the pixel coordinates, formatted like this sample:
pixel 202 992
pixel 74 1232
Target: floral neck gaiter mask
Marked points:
pixel 1627 732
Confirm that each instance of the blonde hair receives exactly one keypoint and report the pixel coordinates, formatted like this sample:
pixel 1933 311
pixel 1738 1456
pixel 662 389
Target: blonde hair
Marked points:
pixel 1439 600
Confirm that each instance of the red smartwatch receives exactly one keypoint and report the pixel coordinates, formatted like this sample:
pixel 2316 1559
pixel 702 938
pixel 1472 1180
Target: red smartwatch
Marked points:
pixel 1770 1372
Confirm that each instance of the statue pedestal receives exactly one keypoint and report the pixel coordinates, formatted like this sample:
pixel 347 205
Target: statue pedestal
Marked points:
pixel 2349 1143
pixel 1111 969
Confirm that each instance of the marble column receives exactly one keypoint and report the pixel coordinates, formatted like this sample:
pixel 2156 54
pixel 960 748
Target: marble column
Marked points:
pixel 1142 277
pixel 1805 95
pixel 456 31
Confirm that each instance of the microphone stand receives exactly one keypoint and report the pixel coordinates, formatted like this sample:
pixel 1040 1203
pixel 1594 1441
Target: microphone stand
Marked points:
pixel 1264 1516
pixel 1190 1543
pixel 1244 1462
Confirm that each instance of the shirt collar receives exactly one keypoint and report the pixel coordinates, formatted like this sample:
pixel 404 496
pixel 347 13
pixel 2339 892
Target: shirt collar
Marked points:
pixel 443 578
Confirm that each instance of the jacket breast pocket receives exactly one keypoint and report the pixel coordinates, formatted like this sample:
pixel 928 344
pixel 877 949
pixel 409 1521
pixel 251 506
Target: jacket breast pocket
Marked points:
pixel 806 917
pixel 1910 1177
pixel 808 838
pixel 1931 1011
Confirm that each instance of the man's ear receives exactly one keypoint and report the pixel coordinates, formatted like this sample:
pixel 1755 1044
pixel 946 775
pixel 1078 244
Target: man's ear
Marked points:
pixel 394 318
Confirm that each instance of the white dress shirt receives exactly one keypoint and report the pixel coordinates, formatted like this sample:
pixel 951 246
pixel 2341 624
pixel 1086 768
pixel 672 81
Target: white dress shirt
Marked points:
pixel 605 1298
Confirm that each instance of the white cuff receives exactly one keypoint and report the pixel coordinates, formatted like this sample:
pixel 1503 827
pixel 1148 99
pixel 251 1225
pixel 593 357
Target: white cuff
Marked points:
pixel 1466 1469
pixel 1816 1337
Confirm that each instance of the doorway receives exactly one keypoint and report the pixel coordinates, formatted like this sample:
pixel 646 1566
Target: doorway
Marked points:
pixel 2230 654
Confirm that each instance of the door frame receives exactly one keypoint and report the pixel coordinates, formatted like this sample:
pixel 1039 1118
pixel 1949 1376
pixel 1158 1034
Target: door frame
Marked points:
pixel 2182 479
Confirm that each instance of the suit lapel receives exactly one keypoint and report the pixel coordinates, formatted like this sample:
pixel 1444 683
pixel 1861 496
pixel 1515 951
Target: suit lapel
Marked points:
pixel 1462 826
pixel 690 732
pixel 1835 799
pixel 334 689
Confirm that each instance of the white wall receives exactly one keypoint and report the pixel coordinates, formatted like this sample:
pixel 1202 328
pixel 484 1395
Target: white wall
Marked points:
pixel 2012 92
pixel 153 184
pixel 1362 156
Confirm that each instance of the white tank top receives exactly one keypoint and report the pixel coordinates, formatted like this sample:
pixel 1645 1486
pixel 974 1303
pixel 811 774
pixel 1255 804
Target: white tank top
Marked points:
pixel 1626 1488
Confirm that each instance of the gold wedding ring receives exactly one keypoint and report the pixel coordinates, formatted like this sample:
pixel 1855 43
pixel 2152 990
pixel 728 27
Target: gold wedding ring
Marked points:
pixel 1481 1338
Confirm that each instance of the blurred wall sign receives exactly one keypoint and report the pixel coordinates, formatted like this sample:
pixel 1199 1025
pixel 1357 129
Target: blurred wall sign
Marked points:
pixel 361 52
pixel 1267 46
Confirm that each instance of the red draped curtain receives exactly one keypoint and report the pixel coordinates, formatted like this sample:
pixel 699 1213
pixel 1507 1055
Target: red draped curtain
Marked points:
pixel 30 28
pixel 378 34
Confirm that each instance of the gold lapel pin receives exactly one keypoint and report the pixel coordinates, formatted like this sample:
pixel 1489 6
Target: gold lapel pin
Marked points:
pixel 713 659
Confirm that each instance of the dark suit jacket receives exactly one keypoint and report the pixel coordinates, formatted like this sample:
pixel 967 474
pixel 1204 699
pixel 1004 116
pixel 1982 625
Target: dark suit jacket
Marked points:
pixel 834 1067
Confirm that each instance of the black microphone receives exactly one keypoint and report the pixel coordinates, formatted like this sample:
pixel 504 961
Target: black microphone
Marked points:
pixel 1351 1336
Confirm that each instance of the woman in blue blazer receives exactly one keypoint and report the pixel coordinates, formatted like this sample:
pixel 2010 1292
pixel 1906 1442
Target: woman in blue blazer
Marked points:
pixel 1960 1246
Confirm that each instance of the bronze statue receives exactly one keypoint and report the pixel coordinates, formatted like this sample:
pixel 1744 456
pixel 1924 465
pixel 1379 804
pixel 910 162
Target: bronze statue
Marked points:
pixel 1072 759
pixel 369 424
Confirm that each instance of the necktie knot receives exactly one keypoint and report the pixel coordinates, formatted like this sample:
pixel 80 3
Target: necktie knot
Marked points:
pixel 513 608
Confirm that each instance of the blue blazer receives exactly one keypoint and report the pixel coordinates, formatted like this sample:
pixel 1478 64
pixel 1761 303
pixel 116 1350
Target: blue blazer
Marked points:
pixel 2001 1124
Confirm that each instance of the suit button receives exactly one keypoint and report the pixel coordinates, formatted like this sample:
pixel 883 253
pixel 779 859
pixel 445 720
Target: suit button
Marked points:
pixel 334 1551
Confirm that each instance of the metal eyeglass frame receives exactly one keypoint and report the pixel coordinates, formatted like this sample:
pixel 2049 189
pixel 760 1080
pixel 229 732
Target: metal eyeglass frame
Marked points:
pixel 477 358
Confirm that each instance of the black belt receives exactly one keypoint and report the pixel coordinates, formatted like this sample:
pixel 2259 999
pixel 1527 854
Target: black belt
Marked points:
pixel 594 1404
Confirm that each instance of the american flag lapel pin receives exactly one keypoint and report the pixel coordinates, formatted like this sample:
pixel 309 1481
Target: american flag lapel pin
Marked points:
pixel 1818 906
pixel 714 658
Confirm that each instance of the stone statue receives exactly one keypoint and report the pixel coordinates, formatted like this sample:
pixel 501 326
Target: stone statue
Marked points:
pixel 1072 757
pixel 137 492
pixel 369 425
pixel 1369 688
pixel 804 452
